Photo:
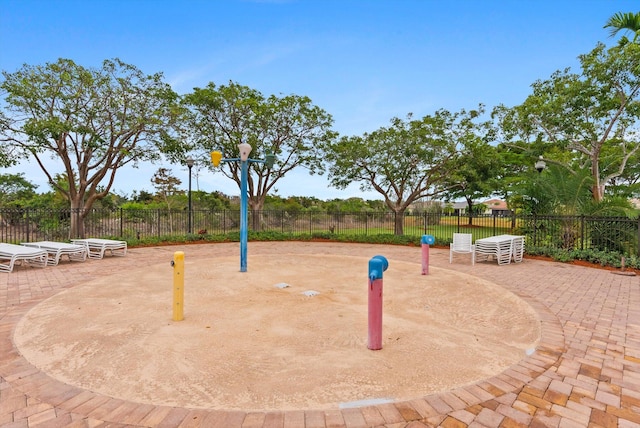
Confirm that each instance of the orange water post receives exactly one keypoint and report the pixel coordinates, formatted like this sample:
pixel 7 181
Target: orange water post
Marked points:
pixel 178 285
pixel 377 265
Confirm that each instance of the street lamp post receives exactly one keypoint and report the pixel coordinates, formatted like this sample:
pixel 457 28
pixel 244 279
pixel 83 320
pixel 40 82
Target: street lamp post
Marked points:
pixel 245 149
pixel 540 165
pixel 189 165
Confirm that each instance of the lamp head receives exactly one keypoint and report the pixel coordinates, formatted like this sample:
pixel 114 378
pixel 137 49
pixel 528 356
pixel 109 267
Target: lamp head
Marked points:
pixel 245 149
pixel 540 164
pixel 216 157
pixel 270 158
pixel 190 162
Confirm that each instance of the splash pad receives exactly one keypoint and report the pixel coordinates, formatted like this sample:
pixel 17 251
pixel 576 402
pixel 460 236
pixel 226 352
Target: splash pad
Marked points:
pixel 247 342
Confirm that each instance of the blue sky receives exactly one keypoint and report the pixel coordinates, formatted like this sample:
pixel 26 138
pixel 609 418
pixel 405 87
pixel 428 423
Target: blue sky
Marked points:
pixel 364 62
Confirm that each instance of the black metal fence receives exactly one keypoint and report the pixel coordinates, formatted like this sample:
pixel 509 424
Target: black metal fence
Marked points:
pixel 562 232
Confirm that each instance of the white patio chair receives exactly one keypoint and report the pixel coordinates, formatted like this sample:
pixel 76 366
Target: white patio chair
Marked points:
pixel 462 244
pixel 10 254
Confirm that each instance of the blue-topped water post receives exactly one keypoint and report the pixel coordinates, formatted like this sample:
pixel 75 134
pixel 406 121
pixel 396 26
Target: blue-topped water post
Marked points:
pixel 377 265
pixel 425 242
pixel 245 149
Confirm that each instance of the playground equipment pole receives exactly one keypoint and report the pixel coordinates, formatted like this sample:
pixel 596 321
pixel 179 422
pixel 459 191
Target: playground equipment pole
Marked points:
pixel 426 241
pixel 178 285
pixel 244 225
pixel 245 149
pixel 377 265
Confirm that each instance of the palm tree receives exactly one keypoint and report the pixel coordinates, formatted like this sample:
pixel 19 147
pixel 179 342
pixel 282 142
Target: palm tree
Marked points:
pixel 624 21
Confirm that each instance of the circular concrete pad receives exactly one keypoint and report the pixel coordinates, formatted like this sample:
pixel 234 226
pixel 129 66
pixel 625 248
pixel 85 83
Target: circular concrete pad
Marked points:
pixel 246 343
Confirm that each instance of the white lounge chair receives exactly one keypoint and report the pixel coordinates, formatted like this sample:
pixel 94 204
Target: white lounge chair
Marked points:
pixel 502 247
pixel 462 244
pixel 96 247
pixel 56 250
pixel 518 249
pixel 504 252
pixel 10 254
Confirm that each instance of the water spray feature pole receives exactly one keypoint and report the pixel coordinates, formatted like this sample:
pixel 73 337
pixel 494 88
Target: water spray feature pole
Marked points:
pixel 377 265
pixel 426 241
pixel 245 149
pixel 178 285
pixel 244 224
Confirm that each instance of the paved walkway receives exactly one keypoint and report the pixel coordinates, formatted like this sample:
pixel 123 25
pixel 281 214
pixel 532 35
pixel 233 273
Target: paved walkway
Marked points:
pixel 584 373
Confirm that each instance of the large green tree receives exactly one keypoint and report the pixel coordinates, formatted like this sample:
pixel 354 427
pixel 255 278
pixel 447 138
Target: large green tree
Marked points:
pixel 478 168
pixel 167 188
pixel 290 127
pixel 15 190
pixel 406 161
pixel 167 185
pixel 586 120
pixel 92 122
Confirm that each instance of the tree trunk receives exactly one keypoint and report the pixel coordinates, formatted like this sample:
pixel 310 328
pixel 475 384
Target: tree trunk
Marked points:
pixel 76 219
pixel 398 228
pixel 257 215
pixel 469 211
pixel 597 191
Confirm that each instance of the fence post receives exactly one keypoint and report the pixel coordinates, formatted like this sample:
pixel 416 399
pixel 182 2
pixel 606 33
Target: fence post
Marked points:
pixel 366 224
pixel 425 222
pixel 121 223
pixel 495 220
pixel 28 223
pixel 582 232
pixel 638 249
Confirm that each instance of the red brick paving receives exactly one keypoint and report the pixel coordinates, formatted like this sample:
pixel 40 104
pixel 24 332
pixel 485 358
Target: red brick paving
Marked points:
pixel 584 373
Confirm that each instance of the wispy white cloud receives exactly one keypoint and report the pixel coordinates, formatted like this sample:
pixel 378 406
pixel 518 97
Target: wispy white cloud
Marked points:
pixel 185 80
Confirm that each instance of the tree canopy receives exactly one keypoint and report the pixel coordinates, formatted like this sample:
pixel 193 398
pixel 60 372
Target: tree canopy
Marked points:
pixel 586 120
pixel 406 161
pixel 91 121
pixel 478 167
pixel 15 190
pixel 290 127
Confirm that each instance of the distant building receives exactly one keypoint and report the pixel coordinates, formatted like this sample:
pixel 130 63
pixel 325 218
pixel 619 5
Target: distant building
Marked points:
pixel 459 208
pixel 497 207
pixel 425 205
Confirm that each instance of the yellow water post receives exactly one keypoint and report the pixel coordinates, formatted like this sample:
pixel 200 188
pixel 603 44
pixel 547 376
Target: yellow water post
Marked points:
pixel 178 285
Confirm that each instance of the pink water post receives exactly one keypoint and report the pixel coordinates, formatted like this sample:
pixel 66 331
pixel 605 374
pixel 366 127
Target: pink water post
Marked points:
pixel 377 265
pixel 426 241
